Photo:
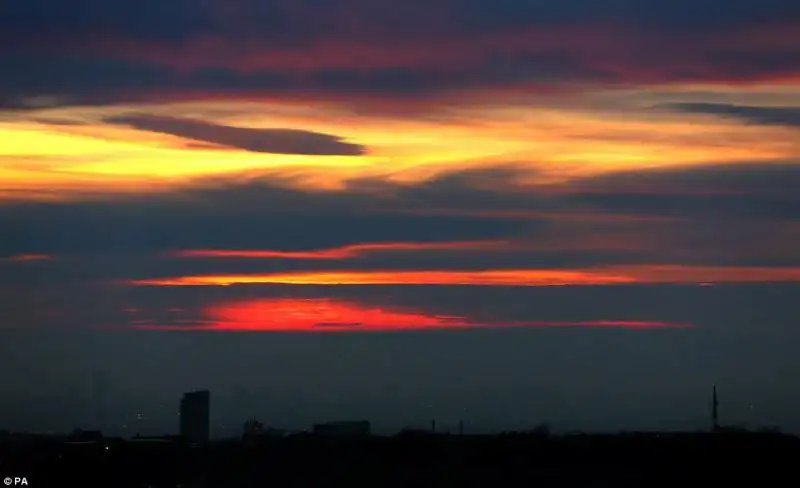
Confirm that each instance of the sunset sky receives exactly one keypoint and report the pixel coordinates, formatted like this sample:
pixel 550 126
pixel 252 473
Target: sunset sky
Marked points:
pixel 606 189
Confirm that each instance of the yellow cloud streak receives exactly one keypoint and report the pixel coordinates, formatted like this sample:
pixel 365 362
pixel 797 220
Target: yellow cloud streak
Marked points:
pixel 488 278
pixel 640 274
pixel 562 144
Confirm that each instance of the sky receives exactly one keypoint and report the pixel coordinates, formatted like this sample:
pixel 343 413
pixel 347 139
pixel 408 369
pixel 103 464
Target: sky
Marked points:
pixel 580 212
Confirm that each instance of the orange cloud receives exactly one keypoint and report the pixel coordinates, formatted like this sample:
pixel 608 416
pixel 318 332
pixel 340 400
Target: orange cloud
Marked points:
pixel 610 275
pixel 329 315
pixel 344 252
pixel 514 277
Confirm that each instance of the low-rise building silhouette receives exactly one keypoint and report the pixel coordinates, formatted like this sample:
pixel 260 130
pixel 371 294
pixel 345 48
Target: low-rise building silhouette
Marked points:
pixel 253 429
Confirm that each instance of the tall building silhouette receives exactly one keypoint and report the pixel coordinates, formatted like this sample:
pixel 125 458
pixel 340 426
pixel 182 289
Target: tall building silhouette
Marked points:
pixel 196 416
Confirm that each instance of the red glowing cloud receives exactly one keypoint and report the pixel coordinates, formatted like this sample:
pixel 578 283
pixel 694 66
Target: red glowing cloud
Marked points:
pixel 330 315
pixel 304 315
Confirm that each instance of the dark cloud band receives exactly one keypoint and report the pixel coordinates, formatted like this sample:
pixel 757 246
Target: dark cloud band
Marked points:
pixel 277 141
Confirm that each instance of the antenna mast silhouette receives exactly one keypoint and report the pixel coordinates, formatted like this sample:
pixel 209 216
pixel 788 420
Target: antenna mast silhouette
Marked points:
pixel 714 411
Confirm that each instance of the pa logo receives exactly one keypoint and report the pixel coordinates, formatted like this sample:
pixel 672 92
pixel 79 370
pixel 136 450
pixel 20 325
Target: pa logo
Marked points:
pixel 16 481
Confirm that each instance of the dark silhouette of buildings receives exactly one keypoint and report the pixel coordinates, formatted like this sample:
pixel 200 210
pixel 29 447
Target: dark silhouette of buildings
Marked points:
pixel 196 416
pixel 510 459
pixel 252 428
pixel 347 453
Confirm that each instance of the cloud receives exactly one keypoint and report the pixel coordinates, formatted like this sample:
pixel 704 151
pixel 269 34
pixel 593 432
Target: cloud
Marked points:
pixel 266 214
pixel 276 141
pixel 25 258
pixel 782 116
pixel 343 252
pixel 58 122
pixel 337 315
pixel 507 277
pixel 250 215
pixel 725 224
pixel 288 24
pixel 742 190
pixel 379 54
pixel 97 305
pixel 75 80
